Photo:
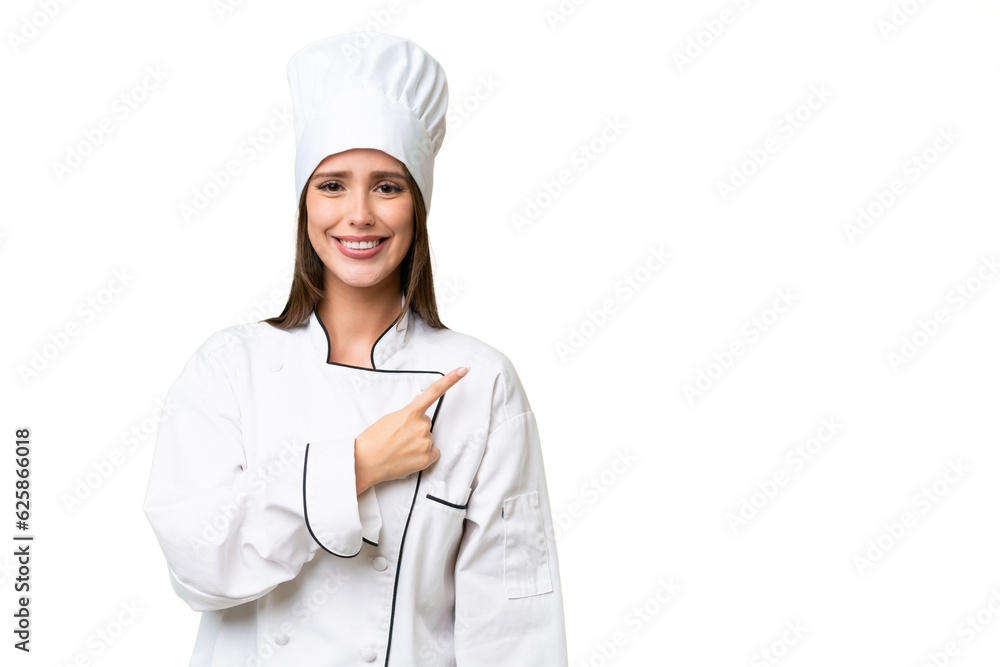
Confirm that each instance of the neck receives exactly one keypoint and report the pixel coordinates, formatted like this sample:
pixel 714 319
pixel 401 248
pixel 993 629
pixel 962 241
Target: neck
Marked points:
pixel 354 319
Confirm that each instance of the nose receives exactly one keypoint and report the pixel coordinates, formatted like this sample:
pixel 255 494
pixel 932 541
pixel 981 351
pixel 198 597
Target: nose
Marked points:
pixel 361 210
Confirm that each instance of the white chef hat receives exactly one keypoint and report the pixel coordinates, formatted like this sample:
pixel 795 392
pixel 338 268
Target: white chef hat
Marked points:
pixel 368 90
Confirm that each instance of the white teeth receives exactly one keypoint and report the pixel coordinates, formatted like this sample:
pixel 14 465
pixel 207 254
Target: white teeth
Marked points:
pixel 361 245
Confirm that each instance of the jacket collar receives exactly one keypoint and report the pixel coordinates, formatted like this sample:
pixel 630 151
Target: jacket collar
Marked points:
pixel 389 342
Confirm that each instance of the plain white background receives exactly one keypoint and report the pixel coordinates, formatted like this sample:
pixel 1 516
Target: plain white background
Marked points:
pixel 860 538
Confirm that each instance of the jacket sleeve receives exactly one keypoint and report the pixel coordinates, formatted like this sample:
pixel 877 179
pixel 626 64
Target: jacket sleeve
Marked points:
pixel 231 532
pixel 508 598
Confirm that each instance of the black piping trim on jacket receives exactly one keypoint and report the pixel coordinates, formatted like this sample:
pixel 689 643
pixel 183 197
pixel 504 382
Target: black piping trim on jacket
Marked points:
pixel 305 467
pixel 305 509
pixel 402 540
pixel 374 345
pixel 445 502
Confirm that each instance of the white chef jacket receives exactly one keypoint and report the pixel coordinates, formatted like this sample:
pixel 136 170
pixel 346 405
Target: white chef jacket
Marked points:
pixel 252 497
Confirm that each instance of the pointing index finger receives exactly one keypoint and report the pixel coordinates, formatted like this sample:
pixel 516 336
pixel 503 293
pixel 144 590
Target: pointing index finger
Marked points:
pixel 437 389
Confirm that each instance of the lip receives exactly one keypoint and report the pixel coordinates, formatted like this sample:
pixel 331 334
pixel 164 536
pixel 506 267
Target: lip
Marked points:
pixel 360 254
pixel 370 237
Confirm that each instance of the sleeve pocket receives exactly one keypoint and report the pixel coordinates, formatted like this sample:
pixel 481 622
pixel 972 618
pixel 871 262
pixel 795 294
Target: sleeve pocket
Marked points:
pixel 525 550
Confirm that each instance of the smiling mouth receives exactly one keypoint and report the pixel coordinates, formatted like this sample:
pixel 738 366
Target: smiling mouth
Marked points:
pixel 360 245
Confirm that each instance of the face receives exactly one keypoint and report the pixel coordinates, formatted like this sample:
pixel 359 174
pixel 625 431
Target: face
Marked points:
pixel 360 197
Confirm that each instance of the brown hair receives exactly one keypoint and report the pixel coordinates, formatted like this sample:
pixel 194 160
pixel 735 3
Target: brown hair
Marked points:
pixel 416 277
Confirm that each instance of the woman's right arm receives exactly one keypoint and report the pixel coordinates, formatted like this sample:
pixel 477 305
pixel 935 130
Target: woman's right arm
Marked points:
pixel 231 532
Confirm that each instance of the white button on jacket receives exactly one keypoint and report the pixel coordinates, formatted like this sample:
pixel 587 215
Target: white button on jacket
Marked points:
pixel 252 498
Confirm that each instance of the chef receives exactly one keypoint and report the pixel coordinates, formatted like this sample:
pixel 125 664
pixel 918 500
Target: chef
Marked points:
pixel 351 482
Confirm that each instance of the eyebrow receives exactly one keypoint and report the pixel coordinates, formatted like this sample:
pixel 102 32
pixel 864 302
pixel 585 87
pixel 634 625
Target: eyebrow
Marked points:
pixel 348 174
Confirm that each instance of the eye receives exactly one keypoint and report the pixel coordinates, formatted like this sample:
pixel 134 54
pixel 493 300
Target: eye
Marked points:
pixel 326 186
pixel 392 188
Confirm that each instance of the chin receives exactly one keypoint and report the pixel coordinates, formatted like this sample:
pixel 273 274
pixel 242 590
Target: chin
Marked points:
pixel 360 280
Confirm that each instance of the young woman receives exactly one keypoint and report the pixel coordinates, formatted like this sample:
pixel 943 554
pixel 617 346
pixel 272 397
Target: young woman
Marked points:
pixel 329 486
